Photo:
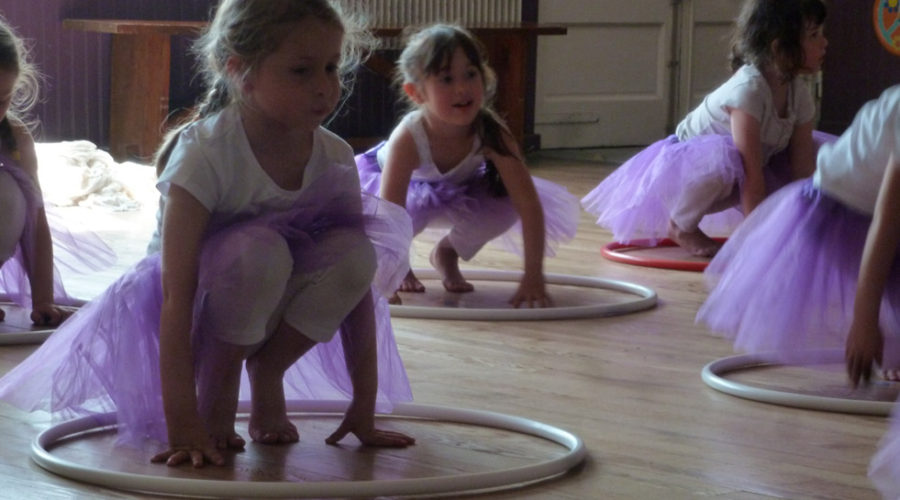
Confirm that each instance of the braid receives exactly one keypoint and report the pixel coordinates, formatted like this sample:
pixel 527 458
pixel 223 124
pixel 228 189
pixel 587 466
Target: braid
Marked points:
pixel 491 130
pixel 7 139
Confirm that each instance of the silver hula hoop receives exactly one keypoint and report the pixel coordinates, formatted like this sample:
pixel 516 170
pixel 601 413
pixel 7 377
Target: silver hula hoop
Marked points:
pixel 500 479
pixel 25 338
pixel 713 375
pixel 646 299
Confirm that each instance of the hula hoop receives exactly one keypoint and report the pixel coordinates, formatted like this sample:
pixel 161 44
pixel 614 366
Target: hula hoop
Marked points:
pixel 25 338
pixel 34 335
pixel 612 252
pixel 713 375
pixel 646 300
pixel 501 479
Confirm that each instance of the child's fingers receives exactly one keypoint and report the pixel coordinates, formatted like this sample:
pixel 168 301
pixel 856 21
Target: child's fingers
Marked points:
pixel 387 439
pixel 339 434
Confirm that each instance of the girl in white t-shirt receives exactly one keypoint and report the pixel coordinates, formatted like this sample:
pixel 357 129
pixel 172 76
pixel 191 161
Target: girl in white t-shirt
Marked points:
pixel 747 138
pixel 266 252
pixel 800 277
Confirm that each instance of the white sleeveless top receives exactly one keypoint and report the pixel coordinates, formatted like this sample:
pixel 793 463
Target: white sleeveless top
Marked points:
pixel 427 171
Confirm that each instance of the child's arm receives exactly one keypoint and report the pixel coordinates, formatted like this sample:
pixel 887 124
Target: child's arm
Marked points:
pixel 361 354
pixel 524 197
pixel 184 222
pixel 802 151
pixel 865 341
pixel 745 130
pixel 402 158
pixel 40 269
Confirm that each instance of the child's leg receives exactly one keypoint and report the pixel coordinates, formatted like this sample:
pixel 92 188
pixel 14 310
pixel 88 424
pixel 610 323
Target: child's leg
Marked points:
pixel 239 290
pixel 702 199
pixel 410 282
pixel 469 234
pixel 12 216
pixel 315 304
pixel 13 209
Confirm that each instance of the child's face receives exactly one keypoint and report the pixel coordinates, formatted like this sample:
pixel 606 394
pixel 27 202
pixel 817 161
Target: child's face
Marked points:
pixel 297 86
pixel 455 94
pixel 7 86
pixel 814 43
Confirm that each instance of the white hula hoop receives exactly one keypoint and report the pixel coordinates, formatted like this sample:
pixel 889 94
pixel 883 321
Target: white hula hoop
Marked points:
pixel 25 338
pixel 646 300
pixel 36 336
pixel 501 479
pixel 713 375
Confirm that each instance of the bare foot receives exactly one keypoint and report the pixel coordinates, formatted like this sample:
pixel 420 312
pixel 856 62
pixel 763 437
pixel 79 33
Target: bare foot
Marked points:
pixel 269 423
pixel 892 375
pixel 411 284
pixel 696 242
pixel 446 261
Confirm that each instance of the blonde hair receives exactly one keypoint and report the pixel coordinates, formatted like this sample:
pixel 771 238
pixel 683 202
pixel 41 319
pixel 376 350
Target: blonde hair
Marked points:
pixel 250 30
pixel 14 57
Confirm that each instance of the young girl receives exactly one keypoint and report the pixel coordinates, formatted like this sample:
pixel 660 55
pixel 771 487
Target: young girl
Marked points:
pixel 263 257
pixel 451 160
pixel 747 138
pixel 28 276
pixel 800 272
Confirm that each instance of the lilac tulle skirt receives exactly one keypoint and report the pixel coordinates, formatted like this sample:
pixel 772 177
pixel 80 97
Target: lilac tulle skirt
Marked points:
pixel 785 281
pixel 74 250
pixel 427 202
pixel 884 468
pixel 106 356
pixel 636 200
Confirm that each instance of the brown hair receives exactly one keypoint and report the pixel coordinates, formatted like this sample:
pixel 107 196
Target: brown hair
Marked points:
pixel 762 22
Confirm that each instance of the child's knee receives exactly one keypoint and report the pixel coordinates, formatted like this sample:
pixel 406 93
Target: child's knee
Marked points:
pixel 242 281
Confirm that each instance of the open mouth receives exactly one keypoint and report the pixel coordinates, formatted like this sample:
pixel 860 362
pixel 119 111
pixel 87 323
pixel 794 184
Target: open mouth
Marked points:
pixel 465 104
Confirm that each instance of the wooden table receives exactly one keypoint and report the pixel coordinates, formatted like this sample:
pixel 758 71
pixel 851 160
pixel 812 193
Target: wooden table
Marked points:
pixel 141 57
pixel 508 46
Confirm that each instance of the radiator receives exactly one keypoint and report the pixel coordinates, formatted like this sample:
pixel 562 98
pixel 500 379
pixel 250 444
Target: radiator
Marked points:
pixel 465 12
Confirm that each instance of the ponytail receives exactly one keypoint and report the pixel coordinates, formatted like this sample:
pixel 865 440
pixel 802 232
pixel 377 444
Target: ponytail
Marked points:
pixel 491 129
pixel 7 138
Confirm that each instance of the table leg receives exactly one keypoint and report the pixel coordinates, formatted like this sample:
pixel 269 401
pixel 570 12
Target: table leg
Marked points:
pixel 139 95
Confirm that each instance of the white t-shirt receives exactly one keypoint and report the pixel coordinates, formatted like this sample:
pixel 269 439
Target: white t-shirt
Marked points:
pixel 748 91
pixel 851 169
pixel 213 161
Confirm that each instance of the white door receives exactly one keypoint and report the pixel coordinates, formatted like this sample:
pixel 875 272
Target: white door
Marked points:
pixel 627 70
pixel 706 28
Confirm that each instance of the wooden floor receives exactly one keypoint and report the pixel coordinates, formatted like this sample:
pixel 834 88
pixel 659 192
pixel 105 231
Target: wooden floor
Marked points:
pixel 629 386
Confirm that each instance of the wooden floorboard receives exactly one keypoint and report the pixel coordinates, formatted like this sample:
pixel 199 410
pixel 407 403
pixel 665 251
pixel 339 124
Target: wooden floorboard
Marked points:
pixel 628 385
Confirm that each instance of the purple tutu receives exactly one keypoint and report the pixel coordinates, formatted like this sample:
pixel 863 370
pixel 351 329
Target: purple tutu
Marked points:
pixel 884 469
pixel 74 250
pixel 427 202
pixel 106 356
pixel 786 279
pixel 636 201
